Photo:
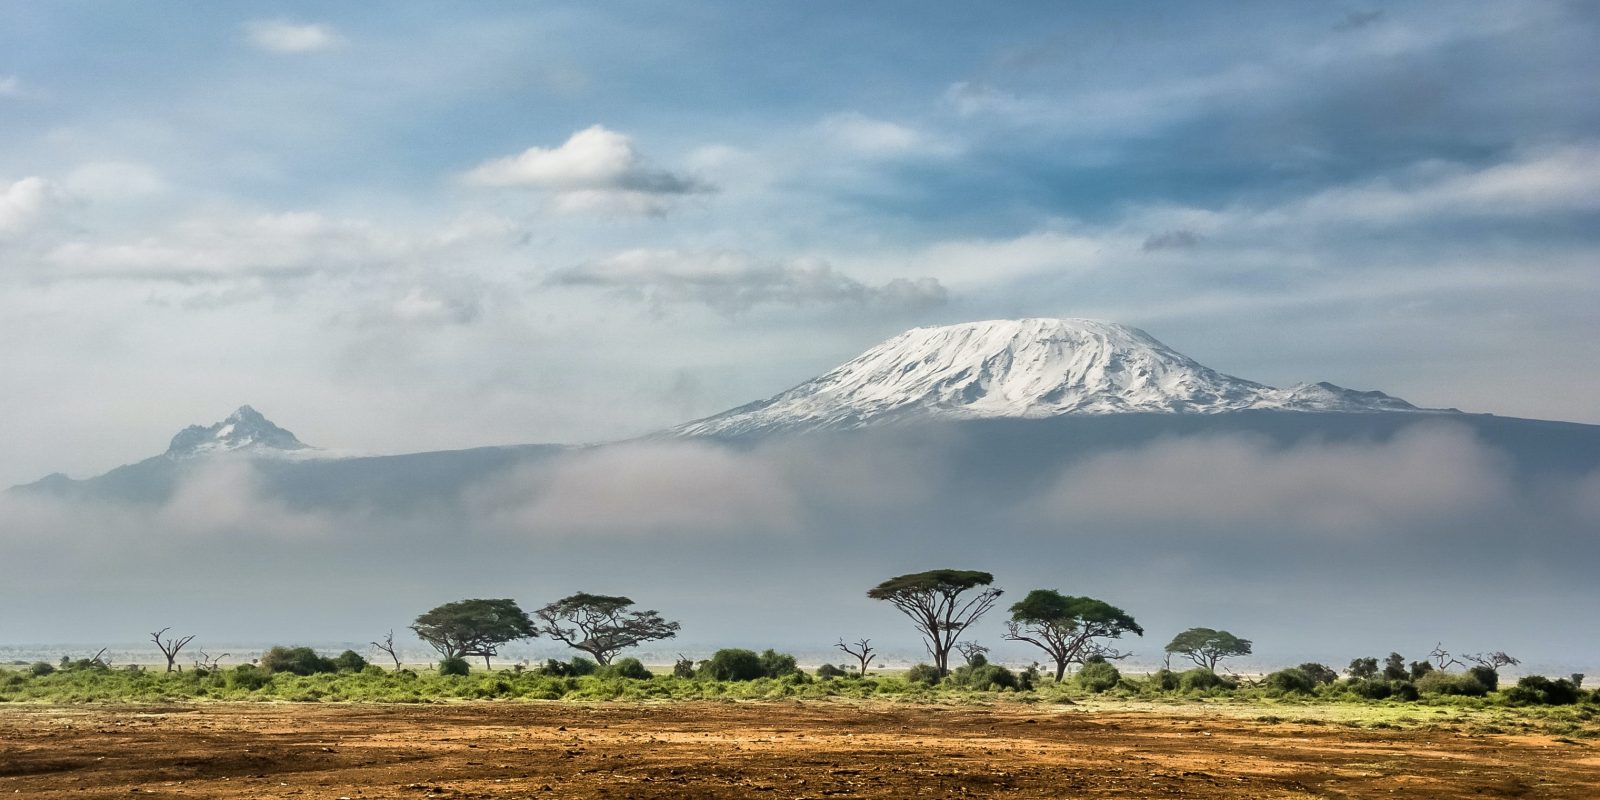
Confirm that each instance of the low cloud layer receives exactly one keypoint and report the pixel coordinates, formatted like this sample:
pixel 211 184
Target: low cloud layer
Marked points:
pixel 1234 529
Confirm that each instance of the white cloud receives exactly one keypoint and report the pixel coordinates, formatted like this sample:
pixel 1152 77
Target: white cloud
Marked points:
pixel 731 282
pixel 1537 182
pixel 864 135
pixel 595 169
pixel 1426 475
pixel 114 181
pixel 291 242
pixel 10 86
pixel 643 488
pixel 282 36
pixel 24 203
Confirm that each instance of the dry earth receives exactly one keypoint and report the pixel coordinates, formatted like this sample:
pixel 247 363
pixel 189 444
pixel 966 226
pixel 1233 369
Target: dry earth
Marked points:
pixel 766 750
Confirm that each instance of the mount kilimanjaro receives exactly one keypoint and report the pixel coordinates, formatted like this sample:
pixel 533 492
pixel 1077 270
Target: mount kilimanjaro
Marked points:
pixel 1044 392
pixel 1025 369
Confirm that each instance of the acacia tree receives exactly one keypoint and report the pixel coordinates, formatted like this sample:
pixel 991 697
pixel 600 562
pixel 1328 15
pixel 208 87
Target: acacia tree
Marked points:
pixel 1205 647
pixel 601 625
pixel 473 627
pixel 171 646
pixel 1069 629
pixel 933 600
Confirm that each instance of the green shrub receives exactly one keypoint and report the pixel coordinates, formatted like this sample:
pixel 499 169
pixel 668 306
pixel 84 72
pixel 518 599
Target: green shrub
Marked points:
pixel 1320 674
pixel 626 668
pixel 1460 684
pixel 1294 680
pixel 1539 690
pixel 924 674
pixel 455 665
pixel 350 661
pixel 1164 680
pixel 1369 688
pixel 576 667
pixel 1486 675
pixel 683 668
pixel 40 669
pixel 828 672
pixel 983 677
pixel 1202 680
pixel 1404 690
pixel 733 664
pixel 776 665
pixel 246 677
pixel 1097 676
pixel 296 661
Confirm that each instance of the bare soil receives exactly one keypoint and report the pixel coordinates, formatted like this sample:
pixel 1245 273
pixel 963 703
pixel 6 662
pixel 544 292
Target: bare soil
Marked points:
pixel 766 750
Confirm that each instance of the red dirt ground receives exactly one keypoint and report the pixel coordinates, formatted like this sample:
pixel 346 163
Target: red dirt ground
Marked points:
pixel 767 750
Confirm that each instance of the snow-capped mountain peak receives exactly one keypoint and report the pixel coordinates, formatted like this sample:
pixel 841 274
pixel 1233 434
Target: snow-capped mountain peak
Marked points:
pixel 1021 368
pixel 245 430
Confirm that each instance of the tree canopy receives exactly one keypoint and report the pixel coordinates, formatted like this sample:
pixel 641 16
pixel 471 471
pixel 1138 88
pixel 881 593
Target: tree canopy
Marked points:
pixel 473 627
pixel 1205 647
pixel 601 625
pixel 933 600
pixel 1068 628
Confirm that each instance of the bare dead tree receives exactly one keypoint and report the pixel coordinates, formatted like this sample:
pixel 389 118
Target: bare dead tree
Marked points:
pixel 972 652
pixel 1493 661
pixel 171 646
pixel 1102 650
pixel 1441 658
pixel 861 650
pixel 387 646
pixel 208 662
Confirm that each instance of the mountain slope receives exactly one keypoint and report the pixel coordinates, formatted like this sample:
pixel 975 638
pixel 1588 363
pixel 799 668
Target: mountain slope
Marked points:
pixel 1025 368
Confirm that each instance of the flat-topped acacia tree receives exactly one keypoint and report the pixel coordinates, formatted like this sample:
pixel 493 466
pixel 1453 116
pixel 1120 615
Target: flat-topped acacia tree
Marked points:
pixel 601 625
pixel 1205 647
pixel 473 627
pixel 938 603
pixel 1068 628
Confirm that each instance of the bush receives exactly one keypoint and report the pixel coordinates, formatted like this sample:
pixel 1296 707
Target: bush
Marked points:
pixel 776 665
pixel 577 667
pixel 1369 688
pixel 733 664
pixel 925 674
pixel 983 677
pixel 1097 676
pixel 1293 680
pixel 246 677
pixel 631 668
pixel 1460 684
pixel 1202 680
pixel 296 661
pixel 1486 675
pixel 1164 680
pixel 1320 674
pixel 1404 690
pixel 1539 690
pixel 40 669
pixel 350 661
pixel 455 665
pixel 828 672
pixel 683 668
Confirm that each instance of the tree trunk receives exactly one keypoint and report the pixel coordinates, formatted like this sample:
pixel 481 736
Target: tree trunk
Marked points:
pixel 1061 670
pixel 486 661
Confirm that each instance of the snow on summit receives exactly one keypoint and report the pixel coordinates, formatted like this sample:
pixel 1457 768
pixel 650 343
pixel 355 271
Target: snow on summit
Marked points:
pixel 245 430
pixel 1022 368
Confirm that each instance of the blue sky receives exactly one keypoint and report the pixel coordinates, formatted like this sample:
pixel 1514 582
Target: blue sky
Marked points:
pixel 444 226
